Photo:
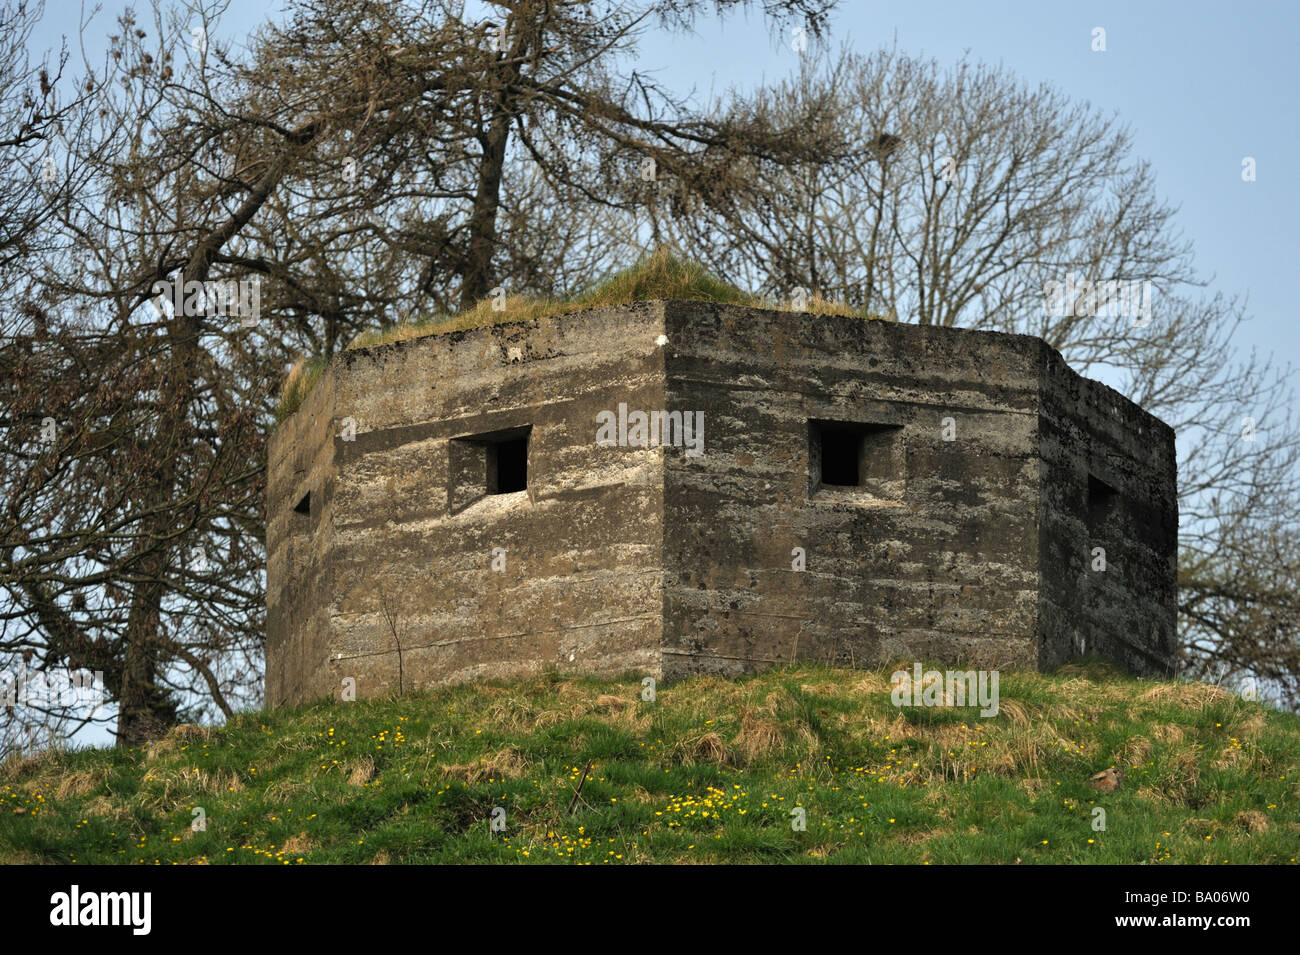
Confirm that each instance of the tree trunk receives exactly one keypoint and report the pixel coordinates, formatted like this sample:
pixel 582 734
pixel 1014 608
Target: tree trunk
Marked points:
pixel 477 277
pixel 145 710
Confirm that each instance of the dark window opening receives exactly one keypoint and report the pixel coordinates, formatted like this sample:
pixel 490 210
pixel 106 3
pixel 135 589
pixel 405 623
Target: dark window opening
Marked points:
pixel 304 506
pixel 1102 501
pixel 857 454
pixel 507 466
pixel 495 462
pixel 841 454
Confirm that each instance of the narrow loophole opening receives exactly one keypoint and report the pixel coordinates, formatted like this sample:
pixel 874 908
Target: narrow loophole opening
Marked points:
pixel 841 454
pixel 508 466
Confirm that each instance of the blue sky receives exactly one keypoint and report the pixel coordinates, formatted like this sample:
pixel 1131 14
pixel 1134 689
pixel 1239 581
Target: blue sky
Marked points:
pixel 1201 84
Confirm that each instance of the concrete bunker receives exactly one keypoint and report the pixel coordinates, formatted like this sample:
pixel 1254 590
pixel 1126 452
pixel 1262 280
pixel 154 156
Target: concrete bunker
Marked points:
pixel 486 509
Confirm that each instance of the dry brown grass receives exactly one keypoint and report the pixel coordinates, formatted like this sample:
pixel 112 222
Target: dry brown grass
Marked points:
pixel 302 378
pixel 1008 759
pixel 707 747
pixel 1195 696
pixel 31 772
pixel 548 718
pixel 504 764
pixel 1252 820
pixel 287 790
pixel 899 728
pixel 917 838
pixel 760 734
pixel 1168 733
pixel 18 857
pixel 1014 711
pixel 163 787
pixel 1181 775
pixel 1248 724
pixel 633 719
pixel 1033 788
pixel 825 688
pixel 570 690
pixel 870 683
pixel 1079 691
pixel 180 735
pixel 778 701
pixel 520 713
pixel 1202 827
pixel 1230 757
pixel 363 770
pixel 297 845
pixel 1024 745
pixel 77 783
pixel 1136 751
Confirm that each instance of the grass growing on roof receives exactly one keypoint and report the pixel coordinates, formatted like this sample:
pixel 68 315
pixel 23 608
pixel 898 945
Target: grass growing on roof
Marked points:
pixel 298 384
pixel 661 275
pixel 707 772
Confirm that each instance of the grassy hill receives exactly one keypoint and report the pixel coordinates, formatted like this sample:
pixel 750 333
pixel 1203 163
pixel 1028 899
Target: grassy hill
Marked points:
pixel 709 772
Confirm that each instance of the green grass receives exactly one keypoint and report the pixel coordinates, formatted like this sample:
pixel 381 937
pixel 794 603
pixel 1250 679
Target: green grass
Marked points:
pixel 661 275
pixel 709 772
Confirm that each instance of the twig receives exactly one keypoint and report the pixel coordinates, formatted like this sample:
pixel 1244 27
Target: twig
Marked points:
pixel 578 792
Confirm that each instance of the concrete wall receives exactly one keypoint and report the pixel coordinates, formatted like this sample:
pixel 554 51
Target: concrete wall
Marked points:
pixel 942 567
pixel 971 550
pixel 299 571
pixel 412 557
pixel 1109 482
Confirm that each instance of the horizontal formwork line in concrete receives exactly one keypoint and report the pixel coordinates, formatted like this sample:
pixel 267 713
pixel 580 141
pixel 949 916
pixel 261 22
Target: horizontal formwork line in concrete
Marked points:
pixel 825 397
pixel 1029 577
pixel 429 521
pixel 609 584
pixel 394 437
pixel 720 656
pixel 483 358
pixel 801 618
pixel 470 566
pixel 840 610
pixel 828 398
pixel 485 637
pixel 667 651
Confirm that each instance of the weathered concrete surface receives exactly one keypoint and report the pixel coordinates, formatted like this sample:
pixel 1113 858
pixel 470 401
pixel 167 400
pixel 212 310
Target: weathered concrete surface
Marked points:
pixel 947 569
pixel 408 596
pixel 1090 436
pixel 968 538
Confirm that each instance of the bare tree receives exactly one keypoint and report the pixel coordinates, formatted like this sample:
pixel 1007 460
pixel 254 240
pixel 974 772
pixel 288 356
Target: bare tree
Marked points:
pixel 130 539
pixel 362 160
pixel 42 117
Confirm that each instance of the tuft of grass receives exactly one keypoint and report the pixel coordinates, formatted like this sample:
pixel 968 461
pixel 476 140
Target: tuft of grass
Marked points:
pixel 709 771
pixel 661 275
pixel 302 378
